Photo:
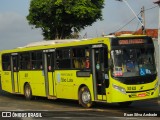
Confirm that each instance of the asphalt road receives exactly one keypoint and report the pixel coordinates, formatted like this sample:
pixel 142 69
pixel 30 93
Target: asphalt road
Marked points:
pixel 42 108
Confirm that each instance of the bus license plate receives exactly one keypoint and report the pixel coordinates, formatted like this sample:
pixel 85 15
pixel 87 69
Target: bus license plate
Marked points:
pixel 142 95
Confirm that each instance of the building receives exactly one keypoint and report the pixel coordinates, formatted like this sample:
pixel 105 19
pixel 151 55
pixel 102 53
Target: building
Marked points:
pixel 150 32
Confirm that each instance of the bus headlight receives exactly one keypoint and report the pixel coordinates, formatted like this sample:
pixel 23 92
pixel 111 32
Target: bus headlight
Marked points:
pixel 121 89
pixel 156 85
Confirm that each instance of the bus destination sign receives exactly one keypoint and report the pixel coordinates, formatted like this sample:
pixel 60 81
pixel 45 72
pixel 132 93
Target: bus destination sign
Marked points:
pixel 131 41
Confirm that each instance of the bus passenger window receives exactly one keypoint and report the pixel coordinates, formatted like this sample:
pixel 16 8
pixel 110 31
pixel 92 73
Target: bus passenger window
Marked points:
pixel 6 62
pixel 25 63
pixel 80 58
pixel 36 60
pixel 63 59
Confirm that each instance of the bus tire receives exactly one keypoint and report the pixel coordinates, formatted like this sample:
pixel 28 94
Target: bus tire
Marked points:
pixel 125 104
pixel 27 92
pixel 85 97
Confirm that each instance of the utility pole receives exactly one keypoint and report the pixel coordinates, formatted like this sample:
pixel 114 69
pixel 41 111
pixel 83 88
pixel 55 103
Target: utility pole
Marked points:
pixel 158 2
pixel 143 20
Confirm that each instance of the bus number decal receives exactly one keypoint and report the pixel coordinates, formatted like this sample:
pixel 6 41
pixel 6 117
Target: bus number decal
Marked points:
pixel 26 75
pixel 131 88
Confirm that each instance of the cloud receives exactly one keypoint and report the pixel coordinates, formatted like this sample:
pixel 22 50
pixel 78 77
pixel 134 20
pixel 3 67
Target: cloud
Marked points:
pixel 15 31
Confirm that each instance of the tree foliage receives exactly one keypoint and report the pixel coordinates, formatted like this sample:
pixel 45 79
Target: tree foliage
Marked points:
pixel 57 18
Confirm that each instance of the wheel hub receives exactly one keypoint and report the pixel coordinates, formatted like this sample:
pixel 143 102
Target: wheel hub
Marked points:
pixel 86 97
pixel 27 92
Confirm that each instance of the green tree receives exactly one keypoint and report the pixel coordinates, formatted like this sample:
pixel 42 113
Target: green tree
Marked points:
pixel 57 18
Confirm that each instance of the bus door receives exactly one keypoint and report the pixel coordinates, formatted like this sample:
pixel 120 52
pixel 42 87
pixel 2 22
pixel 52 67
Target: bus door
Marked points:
pixel 14 72
pixel 49 71
pixel 100 73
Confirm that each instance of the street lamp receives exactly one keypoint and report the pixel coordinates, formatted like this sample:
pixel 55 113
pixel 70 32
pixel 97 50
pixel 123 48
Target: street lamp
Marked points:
pixel 132 11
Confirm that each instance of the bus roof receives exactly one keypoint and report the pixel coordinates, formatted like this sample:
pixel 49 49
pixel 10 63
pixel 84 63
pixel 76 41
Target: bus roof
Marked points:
pixel 68 42
pixel 49 42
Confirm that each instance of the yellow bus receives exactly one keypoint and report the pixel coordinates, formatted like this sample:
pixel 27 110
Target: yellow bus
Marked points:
pixel 111 69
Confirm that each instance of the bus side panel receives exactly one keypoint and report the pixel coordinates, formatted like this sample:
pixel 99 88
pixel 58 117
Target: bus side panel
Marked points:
pixel 6 81
pixel 36 81
pixel 64 84
pixel 67 84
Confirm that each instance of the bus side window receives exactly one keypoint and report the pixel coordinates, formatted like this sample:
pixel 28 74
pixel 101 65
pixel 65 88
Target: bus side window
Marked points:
pixel 6 62
pixel 25 63
pixel 36 60
pixel 80 58
pixel 63 60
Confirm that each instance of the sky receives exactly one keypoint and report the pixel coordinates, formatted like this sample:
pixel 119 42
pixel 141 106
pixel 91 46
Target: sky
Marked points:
pixel 16 32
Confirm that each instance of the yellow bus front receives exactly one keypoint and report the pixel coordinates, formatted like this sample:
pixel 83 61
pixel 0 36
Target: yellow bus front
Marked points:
pixel 133 74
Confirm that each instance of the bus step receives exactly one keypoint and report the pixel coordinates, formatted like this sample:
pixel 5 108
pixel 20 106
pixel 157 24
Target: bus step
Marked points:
pixel 52 97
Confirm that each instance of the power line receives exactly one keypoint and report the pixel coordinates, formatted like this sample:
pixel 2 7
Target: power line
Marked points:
pixel 151 8
pixel 126 24
pixel 134 18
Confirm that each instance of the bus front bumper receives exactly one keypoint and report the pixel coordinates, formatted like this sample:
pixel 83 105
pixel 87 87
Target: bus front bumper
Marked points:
pixel 121 95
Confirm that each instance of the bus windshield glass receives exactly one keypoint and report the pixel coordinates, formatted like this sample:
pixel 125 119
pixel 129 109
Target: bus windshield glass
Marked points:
pixel 130 62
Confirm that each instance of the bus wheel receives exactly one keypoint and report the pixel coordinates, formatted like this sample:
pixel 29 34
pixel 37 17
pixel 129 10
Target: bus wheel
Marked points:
pixel 28 92
pixel 85 97
pixel 125 104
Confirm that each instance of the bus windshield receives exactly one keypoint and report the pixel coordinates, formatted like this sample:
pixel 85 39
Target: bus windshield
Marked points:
pixel 130 62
